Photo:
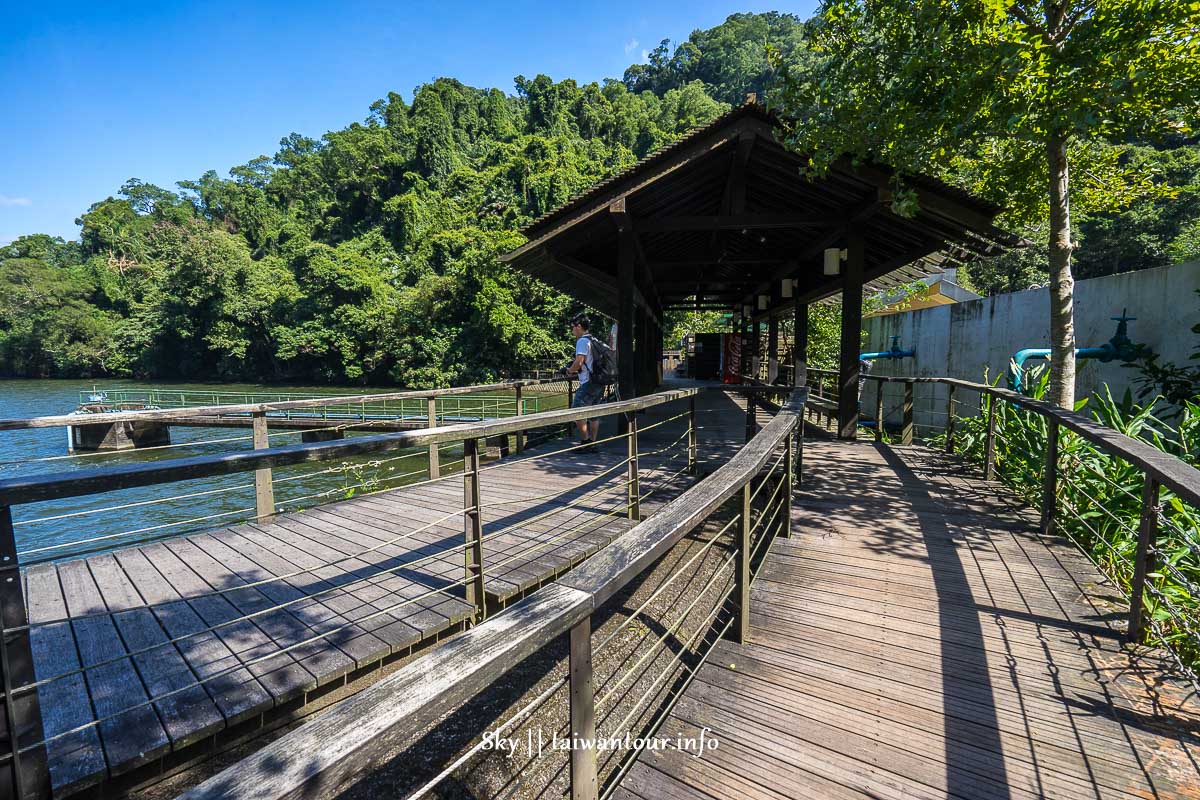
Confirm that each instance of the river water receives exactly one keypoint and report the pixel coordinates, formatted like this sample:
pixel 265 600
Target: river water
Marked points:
pixel 70 527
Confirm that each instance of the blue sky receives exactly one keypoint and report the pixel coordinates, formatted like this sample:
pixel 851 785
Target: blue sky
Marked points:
pixel 96 93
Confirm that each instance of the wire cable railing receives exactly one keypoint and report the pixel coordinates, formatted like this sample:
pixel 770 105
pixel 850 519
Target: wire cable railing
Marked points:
pixel 419 693
pixel 301 587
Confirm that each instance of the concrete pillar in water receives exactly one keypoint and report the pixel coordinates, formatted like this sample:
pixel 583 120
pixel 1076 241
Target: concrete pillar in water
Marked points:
pixel 321 436
pixel 120 435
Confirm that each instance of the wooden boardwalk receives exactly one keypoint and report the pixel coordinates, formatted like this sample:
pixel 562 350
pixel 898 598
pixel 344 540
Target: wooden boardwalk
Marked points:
pixel 917 638
pixel 340 611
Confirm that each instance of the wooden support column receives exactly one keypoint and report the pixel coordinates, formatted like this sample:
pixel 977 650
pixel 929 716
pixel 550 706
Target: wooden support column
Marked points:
pixel 950 419
pixel 741 575
pixel 626 255
pixel 879 410
pixel 852 296
pixel 989 441
pixel 473 530
pixel 906 431
pixel 633 486
pixel 789 485
pixel 1050 477
pixel 692 435
pixel 264 490
pixel 520 412
pixel 772 348
pixel 1143 559
pixel 800 346
pixel 584 784
pixel 435 469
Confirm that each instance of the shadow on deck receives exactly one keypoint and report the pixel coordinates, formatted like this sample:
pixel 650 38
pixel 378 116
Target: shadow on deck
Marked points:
pixel 917 637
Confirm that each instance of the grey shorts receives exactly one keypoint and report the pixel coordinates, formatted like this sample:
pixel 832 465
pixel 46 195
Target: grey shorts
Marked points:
pixel 588 394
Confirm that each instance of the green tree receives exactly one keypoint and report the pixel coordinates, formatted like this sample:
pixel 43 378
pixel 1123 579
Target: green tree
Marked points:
pixel 1017 89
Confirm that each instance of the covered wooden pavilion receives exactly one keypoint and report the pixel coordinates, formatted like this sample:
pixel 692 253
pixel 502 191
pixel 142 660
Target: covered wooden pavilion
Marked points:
pixel 725 219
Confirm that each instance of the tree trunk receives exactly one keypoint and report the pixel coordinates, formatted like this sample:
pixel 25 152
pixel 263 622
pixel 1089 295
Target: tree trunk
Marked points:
pixel 1062 284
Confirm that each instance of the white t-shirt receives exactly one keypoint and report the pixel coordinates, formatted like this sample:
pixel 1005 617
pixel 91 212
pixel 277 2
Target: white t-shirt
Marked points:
pixel 583 347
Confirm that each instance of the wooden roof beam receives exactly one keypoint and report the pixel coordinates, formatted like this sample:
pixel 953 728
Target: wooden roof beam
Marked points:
pixel 628 185
pixel 599 281
pixel 643 281
pixel 819 290
pixel 853 216
pixel 733 222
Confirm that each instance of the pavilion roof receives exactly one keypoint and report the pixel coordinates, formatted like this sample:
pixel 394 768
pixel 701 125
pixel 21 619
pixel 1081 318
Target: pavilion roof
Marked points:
pixel 725 214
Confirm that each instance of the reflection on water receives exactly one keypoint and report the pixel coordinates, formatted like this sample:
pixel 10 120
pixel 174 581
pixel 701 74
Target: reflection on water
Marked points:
pixel 58 529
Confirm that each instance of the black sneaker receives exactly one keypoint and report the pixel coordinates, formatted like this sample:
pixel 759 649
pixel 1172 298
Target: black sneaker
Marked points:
pixel 588 447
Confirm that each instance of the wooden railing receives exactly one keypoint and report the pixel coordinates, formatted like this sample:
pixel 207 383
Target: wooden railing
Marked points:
pixel 327 754
pixel 1159 526
pixel 23 769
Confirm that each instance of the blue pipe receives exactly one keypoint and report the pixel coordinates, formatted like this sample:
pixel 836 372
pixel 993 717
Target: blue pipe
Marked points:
pixel 893 352
pixel 1118 347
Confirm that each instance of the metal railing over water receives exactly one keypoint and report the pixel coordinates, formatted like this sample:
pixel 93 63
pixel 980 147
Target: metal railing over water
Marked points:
pixel 393 405
pixel 34 746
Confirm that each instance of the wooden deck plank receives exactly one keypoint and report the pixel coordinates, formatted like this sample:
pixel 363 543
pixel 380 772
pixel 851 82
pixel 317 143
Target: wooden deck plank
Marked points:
pixel 233 689
pixel 76 759
pixel 187 712
pixel 917 636
pixel 289 629
pixel 130 730
pixel 198 575
pixel 349 594
pixel 377 573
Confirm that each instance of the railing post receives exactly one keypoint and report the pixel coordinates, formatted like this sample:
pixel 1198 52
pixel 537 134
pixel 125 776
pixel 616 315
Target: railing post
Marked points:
pixel 520 438
pixel 692 435
pixel 435 467
pixel 950 419
pixel 25 775
pixel 1050 476
pixel 741 575
pixel 906 430
pixel 785 528
pixel 570 402
pixel 879 410
pixel 989 445
pixel 751 417
pixel 1142 560
pixel 264 491
pixel 633 491
pixel 584 784
pixel 799 433
pixel 473 529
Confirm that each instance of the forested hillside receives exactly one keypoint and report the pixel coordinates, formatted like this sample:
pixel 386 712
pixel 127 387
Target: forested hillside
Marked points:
pixel 369 255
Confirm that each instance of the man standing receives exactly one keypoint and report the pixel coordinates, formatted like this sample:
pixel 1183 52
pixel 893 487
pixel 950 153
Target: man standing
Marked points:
pixel 589 392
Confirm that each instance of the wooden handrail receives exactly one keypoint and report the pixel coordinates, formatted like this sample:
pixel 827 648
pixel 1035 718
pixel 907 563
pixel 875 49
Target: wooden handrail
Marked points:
pixel 1169 471
pixel 54 486
pixel 59 420
pixel 325 755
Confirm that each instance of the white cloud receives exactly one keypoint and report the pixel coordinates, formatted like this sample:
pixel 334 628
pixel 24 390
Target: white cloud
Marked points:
pixel 645 55
pixel 6 201
pixel 630 46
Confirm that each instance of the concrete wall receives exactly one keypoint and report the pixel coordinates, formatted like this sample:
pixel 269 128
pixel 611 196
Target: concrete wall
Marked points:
pixel 964 339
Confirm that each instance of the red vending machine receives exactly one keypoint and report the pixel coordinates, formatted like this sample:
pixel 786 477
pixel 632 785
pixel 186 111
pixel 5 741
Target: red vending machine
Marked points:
pixel 731 358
